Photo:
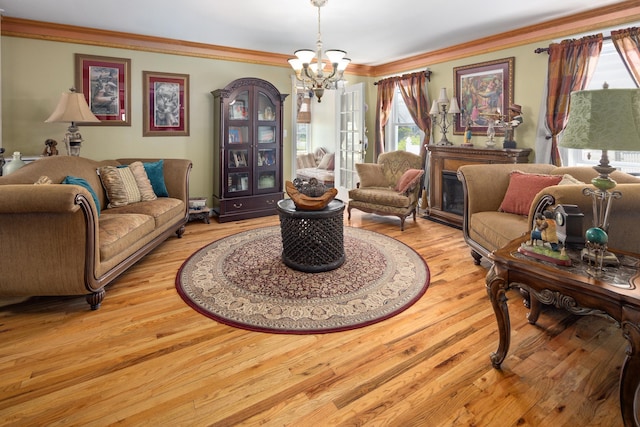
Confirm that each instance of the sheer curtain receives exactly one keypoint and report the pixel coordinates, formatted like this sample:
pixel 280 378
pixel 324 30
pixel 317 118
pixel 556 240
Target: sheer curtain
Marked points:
pixel 571 65
pixel 627 43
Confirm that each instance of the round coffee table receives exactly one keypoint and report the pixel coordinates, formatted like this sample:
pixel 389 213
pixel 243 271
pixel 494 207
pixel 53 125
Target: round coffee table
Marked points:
pixel 312 241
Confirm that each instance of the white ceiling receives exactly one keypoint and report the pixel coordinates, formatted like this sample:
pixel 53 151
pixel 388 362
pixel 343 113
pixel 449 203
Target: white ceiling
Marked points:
pixel 372 32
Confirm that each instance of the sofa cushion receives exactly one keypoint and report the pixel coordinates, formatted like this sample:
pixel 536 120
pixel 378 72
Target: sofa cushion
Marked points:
pixel 118 233
pixel 327 161
pixel 120 186
pixel 523 188
pixel 569 180
pixel 162 210
pixel 409 180
pixel 494 230
pixel 142 181
pixel 155 172
pixel 371 175
pixel 83 183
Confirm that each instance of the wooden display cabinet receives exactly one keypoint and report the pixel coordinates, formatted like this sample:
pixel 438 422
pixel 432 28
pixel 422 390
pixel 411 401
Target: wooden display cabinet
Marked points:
pixel 446 199
pixel 247 152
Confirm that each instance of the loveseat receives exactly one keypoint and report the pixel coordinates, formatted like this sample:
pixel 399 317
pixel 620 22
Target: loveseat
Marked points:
pixel 75 238
pixel 487 228
pixel 391 186
pixel 319 165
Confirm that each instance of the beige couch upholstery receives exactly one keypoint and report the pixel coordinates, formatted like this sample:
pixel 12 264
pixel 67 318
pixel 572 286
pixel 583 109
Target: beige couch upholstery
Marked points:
pixel 54 241
pixel 318 165
pixel 486 229
pixel 377 191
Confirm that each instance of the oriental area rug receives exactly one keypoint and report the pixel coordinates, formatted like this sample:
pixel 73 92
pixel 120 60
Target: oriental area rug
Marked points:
pixel 242 281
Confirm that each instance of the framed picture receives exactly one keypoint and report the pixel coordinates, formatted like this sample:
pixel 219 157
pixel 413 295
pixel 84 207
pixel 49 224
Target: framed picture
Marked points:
pixel 166 104
pixel 484 91
pixel 238 110
pixel 106 85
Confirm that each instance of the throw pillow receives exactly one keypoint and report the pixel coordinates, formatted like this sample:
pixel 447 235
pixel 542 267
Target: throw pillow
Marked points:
pixel 569 180
pixel 155 172
pixel 142 180
pixel 371 175
pixel 120 185
pixel 83 183
pixel 327 161
pixel 43 180
pixel 523 188
pixel 409 180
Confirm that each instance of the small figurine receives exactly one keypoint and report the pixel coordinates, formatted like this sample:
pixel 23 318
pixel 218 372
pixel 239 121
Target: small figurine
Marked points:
pixel 50 148
pixel 512 120
pixel 467 135
pixel 545 231
pixel 491 133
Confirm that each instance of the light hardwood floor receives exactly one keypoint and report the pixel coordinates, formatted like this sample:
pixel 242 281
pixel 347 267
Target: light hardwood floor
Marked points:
pixel 146 358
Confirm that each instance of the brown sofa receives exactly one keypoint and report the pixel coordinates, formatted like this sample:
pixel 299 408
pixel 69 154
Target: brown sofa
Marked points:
pixel 486 229
pixel 54 241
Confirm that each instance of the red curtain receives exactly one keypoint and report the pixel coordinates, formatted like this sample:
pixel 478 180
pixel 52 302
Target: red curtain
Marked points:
pixel 413 88
pixel 627 43
pixel 571 65
pixel 386 88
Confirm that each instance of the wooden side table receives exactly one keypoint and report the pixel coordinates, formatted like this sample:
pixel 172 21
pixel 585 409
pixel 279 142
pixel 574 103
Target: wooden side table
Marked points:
pixel 199 214
pixel 615 295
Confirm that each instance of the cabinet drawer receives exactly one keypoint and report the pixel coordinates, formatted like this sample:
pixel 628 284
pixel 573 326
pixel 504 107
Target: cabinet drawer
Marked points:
pixel 250 203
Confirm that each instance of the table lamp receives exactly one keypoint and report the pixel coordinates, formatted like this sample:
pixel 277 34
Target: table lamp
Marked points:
pixel 605 119
pixel 72 108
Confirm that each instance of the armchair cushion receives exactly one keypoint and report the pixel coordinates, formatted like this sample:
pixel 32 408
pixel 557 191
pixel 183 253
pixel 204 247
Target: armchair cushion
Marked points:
pixel 371 175
pixel 523 188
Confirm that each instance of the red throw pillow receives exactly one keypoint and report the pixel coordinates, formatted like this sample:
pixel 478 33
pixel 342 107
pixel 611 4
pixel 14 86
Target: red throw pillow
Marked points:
pixel 523 188
pixel 408 180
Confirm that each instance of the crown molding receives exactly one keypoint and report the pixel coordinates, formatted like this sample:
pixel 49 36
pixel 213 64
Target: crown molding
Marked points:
pixel 608 16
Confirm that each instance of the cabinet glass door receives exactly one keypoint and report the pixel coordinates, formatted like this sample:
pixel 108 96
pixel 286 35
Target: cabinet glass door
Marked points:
pixel 239 106
pixel 266 108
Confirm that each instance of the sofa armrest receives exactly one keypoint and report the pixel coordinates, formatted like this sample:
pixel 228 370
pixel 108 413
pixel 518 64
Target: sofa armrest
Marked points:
pixel 63 220
pixel 623 217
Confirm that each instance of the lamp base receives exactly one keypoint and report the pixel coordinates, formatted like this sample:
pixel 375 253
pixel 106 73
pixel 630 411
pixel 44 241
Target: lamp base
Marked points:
pixel 73 148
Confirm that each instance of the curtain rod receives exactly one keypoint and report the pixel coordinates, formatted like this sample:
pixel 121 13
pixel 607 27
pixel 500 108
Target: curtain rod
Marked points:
pixel 427 72
pixel 546 49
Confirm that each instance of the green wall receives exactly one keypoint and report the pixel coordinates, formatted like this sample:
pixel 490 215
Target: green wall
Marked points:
pixel 35 72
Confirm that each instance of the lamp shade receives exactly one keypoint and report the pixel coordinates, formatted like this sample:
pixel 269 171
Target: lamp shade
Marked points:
pixel 72 108
pixel 605 119
pixel 443 99
pixel 454 108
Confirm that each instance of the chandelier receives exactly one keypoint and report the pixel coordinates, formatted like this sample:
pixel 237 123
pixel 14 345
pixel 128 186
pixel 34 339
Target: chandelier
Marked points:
pixel 312 74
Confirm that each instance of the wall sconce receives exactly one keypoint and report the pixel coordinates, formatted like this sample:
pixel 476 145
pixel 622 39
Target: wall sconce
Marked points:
pixel 440 108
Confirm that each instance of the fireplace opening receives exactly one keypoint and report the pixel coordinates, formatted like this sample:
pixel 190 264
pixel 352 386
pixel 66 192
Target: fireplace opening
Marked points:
pixel 452 193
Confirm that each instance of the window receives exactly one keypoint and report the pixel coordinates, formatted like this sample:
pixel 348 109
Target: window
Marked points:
pixel 303 138
pixel 612 70
pixel 401 131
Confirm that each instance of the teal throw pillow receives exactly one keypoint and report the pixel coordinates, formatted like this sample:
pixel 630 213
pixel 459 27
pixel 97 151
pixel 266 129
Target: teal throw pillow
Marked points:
pixel 83 183
pixel 155 172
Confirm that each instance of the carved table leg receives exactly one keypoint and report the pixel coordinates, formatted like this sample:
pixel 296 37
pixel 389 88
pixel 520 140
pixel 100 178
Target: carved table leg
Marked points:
pixel 534 310
pixel 630 374
pixel 496 288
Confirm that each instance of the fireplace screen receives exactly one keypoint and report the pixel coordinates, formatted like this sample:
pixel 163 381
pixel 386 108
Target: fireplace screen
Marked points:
pixel 452 193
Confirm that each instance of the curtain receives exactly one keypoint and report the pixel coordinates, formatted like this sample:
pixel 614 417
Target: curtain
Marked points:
pixel 413 88
pixel 386 88
pixel 627 43
pixel 571 65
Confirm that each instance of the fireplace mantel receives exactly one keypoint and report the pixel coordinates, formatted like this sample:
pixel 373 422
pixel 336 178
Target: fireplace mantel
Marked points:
pixel 444 160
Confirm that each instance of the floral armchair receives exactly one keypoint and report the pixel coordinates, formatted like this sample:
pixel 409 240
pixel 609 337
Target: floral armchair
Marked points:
pixel 389 187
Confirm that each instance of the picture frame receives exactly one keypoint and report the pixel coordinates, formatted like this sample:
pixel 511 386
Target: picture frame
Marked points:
pixel 238 109
pixel 484 91
pixel 106 85
pixel 165 108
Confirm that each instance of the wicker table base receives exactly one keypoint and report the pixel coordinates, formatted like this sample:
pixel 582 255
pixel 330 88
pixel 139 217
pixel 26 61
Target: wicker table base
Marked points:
pixel 312 241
